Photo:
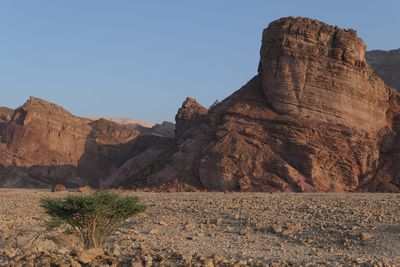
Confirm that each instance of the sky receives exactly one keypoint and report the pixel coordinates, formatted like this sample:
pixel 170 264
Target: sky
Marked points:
pixel 141 59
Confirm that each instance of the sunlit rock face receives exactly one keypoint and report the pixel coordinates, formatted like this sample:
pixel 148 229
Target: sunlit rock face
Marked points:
pixel 315 70
pixel 314 119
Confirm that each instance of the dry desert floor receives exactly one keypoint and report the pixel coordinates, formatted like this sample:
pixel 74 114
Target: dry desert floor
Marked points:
pixel 217 229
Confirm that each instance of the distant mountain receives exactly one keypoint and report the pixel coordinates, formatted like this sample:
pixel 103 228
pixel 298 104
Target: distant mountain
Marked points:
pixel 125 121
pixel 166 129
pixel 386 64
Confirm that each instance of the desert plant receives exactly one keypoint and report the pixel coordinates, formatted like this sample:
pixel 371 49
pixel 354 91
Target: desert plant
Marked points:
pixel 93 217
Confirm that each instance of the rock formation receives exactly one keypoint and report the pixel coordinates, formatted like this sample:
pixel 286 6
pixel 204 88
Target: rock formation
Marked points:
pixel 315 118
pixel 6 113
pixel 386 65
pixel 5 117
pixel 43 144
pixel 165 128
pixel 124 121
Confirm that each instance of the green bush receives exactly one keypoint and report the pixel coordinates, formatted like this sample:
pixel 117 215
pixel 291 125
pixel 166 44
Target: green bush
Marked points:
pixel 93 217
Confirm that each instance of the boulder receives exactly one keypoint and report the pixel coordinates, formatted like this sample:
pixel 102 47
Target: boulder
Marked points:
pixel 87 256
pixel 59 188
pixel 85 189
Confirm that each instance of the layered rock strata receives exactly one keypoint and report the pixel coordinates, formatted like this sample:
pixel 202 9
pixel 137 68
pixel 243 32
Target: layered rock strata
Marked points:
pixel 315 118
pixel 42 144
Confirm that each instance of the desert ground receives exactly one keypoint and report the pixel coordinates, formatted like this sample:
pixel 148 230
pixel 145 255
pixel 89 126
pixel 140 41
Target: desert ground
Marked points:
pixel 217 229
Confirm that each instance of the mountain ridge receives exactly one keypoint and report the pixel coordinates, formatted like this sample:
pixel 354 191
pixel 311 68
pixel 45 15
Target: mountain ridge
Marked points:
pixel 316 118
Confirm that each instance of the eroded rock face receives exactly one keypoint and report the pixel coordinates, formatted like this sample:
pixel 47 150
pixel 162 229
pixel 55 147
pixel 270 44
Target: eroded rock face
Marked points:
pixel 5 117
pixel 44 144
pixel 315 118
pixel 188 115
pixel 314 70
pixel 6 113
pixel 386 64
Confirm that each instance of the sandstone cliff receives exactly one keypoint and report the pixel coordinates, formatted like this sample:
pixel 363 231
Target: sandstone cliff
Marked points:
pixel 386 65
pixel 315 118
pixel 43 144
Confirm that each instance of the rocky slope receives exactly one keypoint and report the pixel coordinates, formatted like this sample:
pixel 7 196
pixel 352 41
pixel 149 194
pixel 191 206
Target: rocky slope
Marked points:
pixel 315 118
pixel 43 144
pixel 386 65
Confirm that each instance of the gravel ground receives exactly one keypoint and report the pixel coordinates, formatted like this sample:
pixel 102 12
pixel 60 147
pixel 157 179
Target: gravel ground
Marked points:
pixel 218 229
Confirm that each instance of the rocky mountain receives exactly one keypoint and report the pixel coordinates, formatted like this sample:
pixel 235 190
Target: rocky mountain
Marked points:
pixel 166 129
pixel 386 65
pixel 315 118
pixel 124 121
pixel 42 144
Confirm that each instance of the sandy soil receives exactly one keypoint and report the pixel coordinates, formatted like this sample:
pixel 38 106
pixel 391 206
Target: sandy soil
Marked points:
pixel 217 229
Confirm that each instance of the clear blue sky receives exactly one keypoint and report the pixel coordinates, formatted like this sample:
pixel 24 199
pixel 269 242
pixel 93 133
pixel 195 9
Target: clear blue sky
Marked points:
pixel 140 59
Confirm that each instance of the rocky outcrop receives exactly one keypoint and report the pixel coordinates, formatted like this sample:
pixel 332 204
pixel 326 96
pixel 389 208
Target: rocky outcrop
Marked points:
pixel 188 115
pixel 5 117
pixel 44 144
pixel 5 113
pixel 315 118
pixel 386 65
pixel 314 70
pixel 166 129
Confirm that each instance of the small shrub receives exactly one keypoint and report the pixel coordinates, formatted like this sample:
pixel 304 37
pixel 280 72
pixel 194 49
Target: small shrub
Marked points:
pixel 93 217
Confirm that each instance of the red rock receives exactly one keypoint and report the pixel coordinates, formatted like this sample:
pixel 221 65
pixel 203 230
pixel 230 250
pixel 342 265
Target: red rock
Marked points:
pixel 315 118
pixel 45 144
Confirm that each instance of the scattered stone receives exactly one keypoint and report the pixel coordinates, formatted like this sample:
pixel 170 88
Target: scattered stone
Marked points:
pixel 136 263
pixel 59 188
pixel 163 223
pixel 245 232
pixel 87 256
pixel 291 229
pixel 236 243
pixel 276 229
pixel 85 189
pixel 153 231
pixel 365 236
pixel 209 263
pixel 190 227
